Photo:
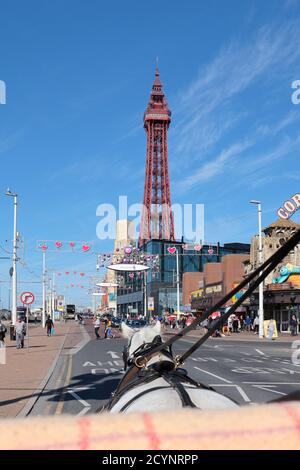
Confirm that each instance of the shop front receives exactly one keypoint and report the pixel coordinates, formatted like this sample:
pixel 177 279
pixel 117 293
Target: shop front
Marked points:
pixel 206 297
pixel 281 301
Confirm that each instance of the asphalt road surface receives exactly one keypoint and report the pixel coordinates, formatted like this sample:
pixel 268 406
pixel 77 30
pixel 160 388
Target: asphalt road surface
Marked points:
pixel 246 371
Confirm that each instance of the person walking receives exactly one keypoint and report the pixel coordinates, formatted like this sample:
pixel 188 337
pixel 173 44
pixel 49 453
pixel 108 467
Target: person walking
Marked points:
pixel 49 325
pixel 256 325
pixel 97 324
pixel 248 323
pixel 108 331
pixel 3 330
pixel 235 325
pixel 294 325
pixel 20 331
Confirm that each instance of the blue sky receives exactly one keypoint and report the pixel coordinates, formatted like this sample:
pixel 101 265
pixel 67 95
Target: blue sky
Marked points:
pixel 78 77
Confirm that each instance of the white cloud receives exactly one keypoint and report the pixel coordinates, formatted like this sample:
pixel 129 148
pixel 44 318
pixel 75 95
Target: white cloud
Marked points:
pixel 208 113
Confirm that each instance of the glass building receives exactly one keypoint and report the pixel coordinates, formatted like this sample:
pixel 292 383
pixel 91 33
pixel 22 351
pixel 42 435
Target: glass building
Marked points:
pixel 161 285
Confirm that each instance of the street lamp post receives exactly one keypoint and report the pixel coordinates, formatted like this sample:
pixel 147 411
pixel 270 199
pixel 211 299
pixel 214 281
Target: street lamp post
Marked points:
pixel 145 295
pixel 177 285
pixel 261 285
pixel 14 260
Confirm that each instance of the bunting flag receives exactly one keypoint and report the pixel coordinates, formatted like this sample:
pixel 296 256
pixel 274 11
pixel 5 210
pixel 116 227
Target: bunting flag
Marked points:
pixel 65 246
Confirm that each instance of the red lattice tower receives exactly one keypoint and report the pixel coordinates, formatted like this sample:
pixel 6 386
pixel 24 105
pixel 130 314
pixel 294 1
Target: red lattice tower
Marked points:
pixel 157 216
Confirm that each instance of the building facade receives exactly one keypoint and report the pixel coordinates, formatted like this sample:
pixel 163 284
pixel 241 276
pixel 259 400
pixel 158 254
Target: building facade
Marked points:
pixel 217 280
pixel 282 286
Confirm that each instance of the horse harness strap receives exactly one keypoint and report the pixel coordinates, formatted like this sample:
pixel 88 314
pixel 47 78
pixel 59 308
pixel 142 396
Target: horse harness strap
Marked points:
pixel 174 378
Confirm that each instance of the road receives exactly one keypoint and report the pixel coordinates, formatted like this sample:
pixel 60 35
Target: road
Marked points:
pixel 247 371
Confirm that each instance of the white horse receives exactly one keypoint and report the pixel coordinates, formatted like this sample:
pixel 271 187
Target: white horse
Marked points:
pixel 159 386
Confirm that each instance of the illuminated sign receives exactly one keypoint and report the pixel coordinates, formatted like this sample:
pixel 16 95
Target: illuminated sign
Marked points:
pixel 213 289
pixel 289 207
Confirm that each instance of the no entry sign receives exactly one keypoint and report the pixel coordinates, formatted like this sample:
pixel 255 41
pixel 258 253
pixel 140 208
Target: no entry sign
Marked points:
pixel 27 298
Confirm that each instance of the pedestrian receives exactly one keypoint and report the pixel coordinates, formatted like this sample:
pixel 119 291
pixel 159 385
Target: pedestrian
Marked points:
pixel 97 324
pixel 235 325
pixel 242 323
pixel 3 330
pixel 294 325
pixel 108 330
pixel 271 329
pixel 20 331
pixel 248 323
pixel 256 324
pixel 49 325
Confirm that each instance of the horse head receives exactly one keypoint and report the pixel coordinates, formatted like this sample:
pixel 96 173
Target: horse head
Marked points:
pixel 138 337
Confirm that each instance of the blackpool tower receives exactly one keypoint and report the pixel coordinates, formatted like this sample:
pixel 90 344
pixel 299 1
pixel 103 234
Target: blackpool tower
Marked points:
pixel 157 217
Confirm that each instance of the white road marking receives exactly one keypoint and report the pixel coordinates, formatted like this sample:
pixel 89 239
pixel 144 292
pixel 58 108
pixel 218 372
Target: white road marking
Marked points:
pixel 239 389
pixel 103 371
pixel 260 352
pixel 213 375
pixel 269 388
pixel 113 354
pixel 77 397
pixel 272 383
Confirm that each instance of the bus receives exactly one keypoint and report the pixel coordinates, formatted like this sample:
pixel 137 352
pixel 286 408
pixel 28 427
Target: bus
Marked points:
pixel 70 312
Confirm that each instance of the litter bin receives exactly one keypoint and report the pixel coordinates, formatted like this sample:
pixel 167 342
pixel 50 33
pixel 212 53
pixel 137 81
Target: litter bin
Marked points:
pixel 12 333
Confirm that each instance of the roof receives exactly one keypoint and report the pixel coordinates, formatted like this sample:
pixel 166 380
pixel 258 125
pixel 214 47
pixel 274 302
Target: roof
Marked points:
pixel 283 223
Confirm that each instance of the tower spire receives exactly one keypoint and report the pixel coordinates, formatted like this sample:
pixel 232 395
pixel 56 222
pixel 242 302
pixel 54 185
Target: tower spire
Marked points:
pixel 157 217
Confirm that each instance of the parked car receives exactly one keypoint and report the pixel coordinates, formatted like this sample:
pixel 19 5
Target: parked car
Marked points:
pixel 136 323
pixel 116 322
pixel 5 314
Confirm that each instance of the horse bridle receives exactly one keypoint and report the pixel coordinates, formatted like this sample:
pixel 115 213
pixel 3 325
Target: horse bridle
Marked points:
pixel 138 357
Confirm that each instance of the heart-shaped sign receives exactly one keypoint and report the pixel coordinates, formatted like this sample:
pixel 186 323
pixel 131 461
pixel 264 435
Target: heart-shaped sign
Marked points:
pixel 128 250
pixel 67 273
pixel 197 247
pixel 172 250
pixel 58 244
pixel 72 244
pixel 44 247
pixel 85 247
pixel 131 275
pixel 81 274
pixel 210 251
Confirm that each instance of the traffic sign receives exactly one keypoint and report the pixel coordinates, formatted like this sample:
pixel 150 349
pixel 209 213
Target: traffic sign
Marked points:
pixel 27 298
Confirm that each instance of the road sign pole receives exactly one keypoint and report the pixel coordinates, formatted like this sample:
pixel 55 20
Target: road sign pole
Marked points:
pixel 27 326
pixel 44 290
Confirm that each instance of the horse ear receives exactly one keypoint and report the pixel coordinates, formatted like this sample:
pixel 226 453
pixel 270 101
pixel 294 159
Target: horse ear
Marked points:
pixel 127 332
pixel 157 327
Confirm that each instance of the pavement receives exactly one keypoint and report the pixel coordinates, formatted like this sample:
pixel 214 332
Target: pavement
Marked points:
pixel 241 336
pixel 242 366
pixel 26 370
